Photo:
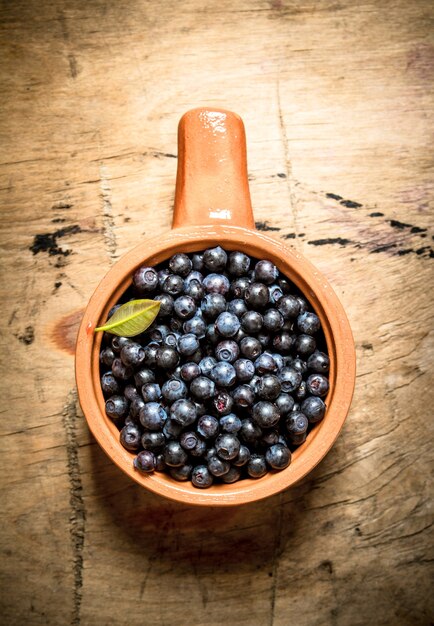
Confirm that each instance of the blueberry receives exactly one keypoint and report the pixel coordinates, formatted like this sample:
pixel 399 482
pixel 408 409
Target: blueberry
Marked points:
pixel 269 387
pixel 212 305
pixel 237 306
pixel 136 405
pixel 230 423
pixel 243 396
pixel 249 432
pixel 274 294
pixel 231 476
pixel 173 285
pixel 181 473
pixel 109 384
pixel 174 454
pixel 266 272
pixel 223 374
pixel 216 283
pixel 212 335
pixel 297 440
pixel 190 371
pixel 200 449
pixel 162 275
pixel 171 340
pixel 252 321
pixel 116 407
pixel 317 385
pixel 243 456
pixel 171 429
pixel 314 409
pixel 184 412
pixel 296 423
pixel 273 320
pixel 238 263
pixel 278 456
pixel 254 383
pixel 215 259
pixel 264 339
pixel 130 437
pixel 188 344
pixel 107 356
pixel 256 467
pixel 173 390
pixel 120 370
pixel 270 437
pixel 185 307
pixel 180 264
pixel 285 403
pixel 194 275
pixel 227 351
pixel 265 364
pixel 195 290
pixel 117 343
pixel 160 465
pixel 299 365
pixel 304 345
pixel 227 446
pixel 308 323
pixel 197 261
pixel 201 477
pixel 239 287
pixel 196 325
pixel 265 414
pixel 151 392
pixel 153 440
pixel 145 461
pixel 289 307
pixel 278 359
pixel 158 333
pixel 290 379
pixel 318 362
pixel 167 358
pixel 218 467
pixel 188 440
pixel 283 341
pixel 227 324
pixel 152 416
pixel 132 354
pixel 244 369
pixel 176 324
pixel 206 365
pixel 202 388
pixel 256 295
pixel 223 402
pixel 250 347
pixel 151 350
pixel 207 426
pixel 301 392
pixel 145 279
pixel 166 306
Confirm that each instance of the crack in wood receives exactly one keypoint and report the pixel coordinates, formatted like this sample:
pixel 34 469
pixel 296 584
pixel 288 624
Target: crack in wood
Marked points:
pixel 107 214
pixel 77 519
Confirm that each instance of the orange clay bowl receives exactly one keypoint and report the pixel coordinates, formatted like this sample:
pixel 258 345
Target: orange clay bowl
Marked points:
pixel 212 207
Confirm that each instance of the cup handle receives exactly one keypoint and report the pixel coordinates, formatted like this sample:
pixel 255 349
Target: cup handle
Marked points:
pixel 211 181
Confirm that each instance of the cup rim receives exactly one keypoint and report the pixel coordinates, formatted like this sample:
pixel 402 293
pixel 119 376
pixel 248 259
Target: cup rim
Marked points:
pixel 311 283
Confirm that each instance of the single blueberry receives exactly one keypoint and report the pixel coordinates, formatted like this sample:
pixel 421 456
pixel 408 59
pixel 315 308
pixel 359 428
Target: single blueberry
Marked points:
pixel 238 307
pixel 174 454
pixel 256 295
pixel 120 370
pixel 180 264
pixel 223 402
pixel 216 283
pixel 195 290
pixel 195 325
pixel 266 272
pixel 318 362
pixel 109 384
pixel 188 440
pixel 201 477
pixel 227 324
pixel 132 354
pixel 285 403
pixel 269 387
pixel 314 409
pixel 151 392
pixel 206 365
pixel 308 323
pixel 173 285
pixel 256 467
pixel 249 432
pixel 239 287
pixel 197 260
pixel 212 305
pixel 304 345
pixel 223 374
pixel 185 307
pixel 215 259
pixel 116 407
pixel 188 344
pixel 190 371
pixel 283 341
pixel 317 385
pixel 265 364
pixel 265 414
pixel 231 476
pixel 230 423
pixel 166 306
pixel 278 456
pixel 145 461
pixel 145 279
pixel 107 356
pixel 227 350
pixel 130 437
pixel 273 320
pixel 296 423
pixel 243 396
pixel 173 390
pixel 207 426
pixel 218 467
pixel 244 369
pixel 238 263
pixel 290 379
pixel 288 306
pixel 252 321
pixel 250 347
pixel 202 388
pixel 181 473
pixel 227 446
pixel 152 416
pixel 153 440
pixel 184 412
pixel 243 456
pixel 167 358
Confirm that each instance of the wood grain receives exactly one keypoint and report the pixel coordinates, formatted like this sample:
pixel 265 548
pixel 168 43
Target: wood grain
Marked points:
pixel 338 111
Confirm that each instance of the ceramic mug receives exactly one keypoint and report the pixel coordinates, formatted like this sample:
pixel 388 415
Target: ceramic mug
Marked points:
pixel 213 207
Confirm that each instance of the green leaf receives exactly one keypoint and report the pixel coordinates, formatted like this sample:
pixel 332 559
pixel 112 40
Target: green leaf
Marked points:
pixel 131 318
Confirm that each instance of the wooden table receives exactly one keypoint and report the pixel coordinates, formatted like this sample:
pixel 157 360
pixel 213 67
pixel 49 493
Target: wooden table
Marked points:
pixel 337 105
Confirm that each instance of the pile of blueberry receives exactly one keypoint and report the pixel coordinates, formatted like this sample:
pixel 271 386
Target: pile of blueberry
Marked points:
pixel 227 380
